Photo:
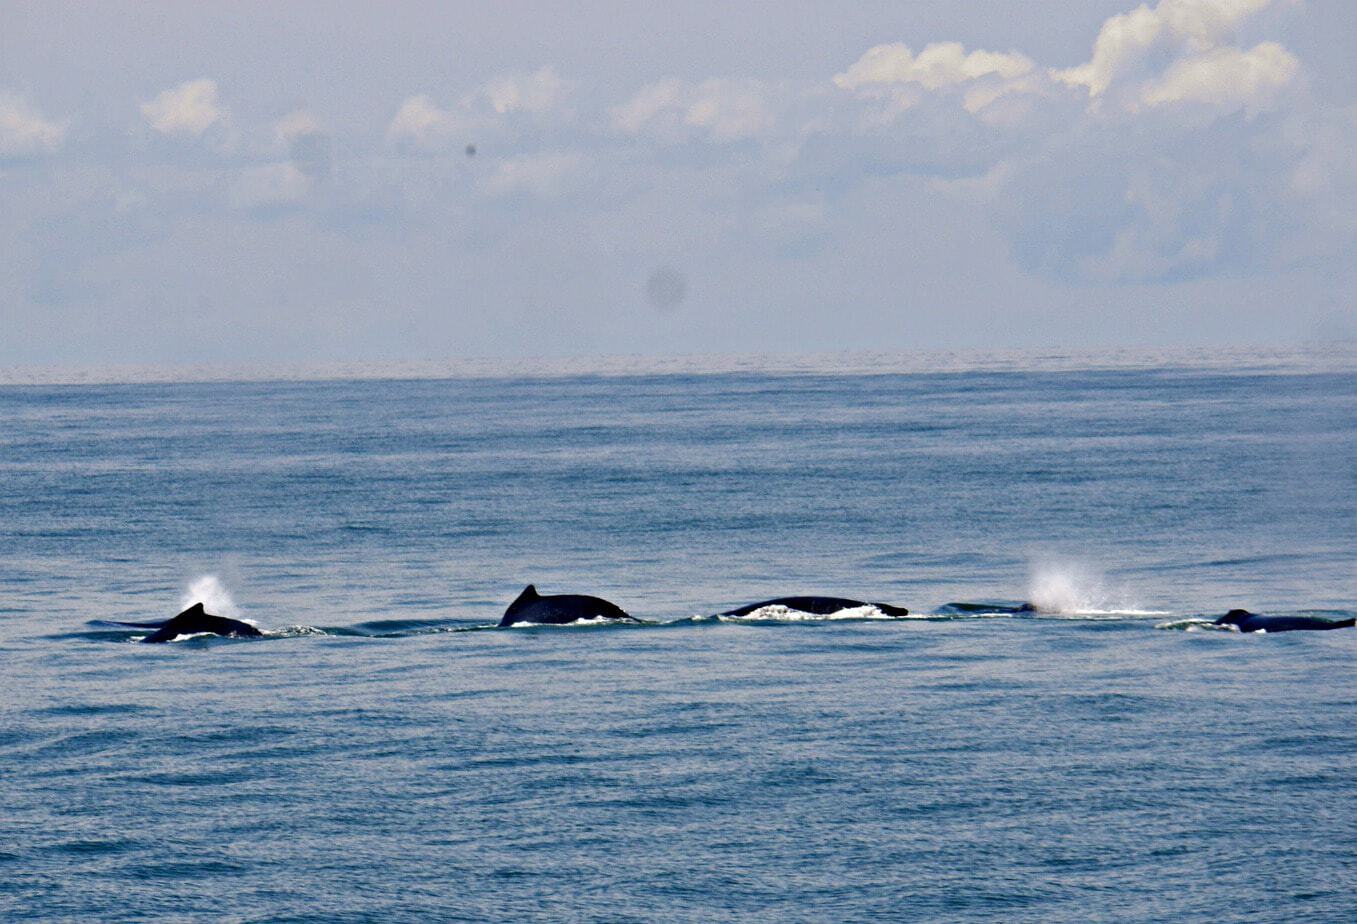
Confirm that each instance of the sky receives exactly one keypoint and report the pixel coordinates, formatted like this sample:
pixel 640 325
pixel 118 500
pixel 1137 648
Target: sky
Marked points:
pixel 247 182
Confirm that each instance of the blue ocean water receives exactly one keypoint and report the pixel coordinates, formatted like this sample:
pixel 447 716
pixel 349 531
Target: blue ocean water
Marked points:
pixel 379 757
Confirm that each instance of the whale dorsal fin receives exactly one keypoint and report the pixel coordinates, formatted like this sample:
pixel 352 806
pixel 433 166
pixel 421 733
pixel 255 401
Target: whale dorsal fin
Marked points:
pixel 528 595
pixel 194 610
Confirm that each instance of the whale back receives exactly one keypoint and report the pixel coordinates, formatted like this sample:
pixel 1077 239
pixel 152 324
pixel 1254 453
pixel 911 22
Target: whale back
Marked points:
pixel 528 597
pixel 1235 618
pixel 195 619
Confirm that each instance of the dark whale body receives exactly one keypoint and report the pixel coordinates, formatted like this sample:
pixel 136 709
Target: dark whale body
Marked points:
pixel 992 608
pixel 195 621
pixel 559 609
pixel 1245 621
pixel 818 606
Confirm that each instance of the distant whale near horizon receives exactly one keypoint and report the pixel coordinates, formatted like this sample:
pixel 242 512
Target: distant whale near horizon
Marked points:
pixel 195 621
pixel 1245 621
pixel 816 606
pixel 560 609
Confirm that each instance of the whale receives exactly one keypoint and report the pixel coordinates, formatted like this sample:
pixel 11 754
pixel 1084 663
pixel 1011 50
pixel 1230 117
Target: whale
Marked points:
pixel 1245 621
pixel 195 621
pixel 560 609
pixel 817 606
pixel 1005 609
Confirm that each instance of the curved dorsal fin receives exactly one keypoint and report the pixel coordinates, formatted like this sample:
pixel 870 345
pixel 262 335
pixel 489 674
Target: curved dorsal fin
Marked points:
pixel 194 610
pixel 528 595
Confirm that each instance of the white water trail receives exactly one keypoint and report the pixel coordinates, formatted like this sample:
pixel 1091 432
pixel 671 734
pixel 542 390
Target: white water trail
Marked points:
pixel 208 590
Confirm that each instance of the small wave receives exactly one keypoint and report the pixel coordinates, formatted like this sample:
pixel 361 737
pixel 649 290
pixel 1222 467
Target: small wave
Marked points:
pixel 778 613
pixel 186 637
pixel 578 623
pixel 1195 624
pixel 295 632
pixel 396 628
pixel 1092 615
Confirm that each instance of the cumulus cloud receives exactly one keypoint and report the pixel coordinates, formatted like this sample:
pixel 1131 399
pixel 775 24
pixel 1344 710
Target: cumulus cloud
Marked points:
pixel 421 124
pixel 544 174
pixel 540 91
pixel 185 111
pixel 307 143
pixel 296 124
pixel 721 110
pixel 1129 43
pixel 24 131
pixel 270 187
pixel 508 103
pixel 1094 170
pixel 940 64
pixel 1225 78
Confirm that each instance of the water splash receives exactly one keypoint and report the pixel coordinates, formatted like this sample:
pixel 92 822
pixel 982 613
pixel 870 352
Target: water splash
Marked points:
pixel 1074 589
pixel 212 594
pixel 1065 588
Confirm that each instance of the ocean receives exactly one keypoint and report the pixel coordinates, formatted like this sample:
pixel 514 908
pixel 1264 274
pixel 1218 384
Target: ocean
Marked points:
pixel 383 755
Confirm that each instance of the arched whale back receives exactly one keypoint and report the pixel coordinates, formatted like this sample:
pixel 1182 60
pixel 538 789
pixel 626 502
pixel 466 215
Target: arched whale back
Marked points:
pixel 1245 621
pixel 559 609
pixel 818 606
pixel 195 621
pixel 987 609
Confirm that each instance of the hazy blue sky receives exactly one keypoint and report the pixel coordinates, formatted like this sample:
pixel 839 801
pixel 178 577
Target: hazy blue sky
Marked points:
pixel 241 182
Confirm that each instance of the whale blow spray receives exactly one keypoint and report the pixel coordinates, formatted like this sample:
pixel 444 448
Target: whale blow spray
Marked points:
pixel 212 594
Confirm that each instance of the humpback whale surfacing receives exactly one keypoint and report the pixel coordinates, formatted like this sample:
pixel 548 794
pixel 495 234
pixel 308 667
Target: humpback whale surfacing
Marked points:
pixel 196 621
pixel 559 609
pixel 816 606
pixel 1245 621
pixel 987 609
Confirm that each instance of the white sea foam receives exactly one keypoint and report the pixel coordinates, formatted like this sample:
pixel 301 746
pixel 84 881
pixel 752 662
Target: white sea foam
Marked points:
pixel 778 613
pixel 1196 624
pixel 185 636
pixel 596 621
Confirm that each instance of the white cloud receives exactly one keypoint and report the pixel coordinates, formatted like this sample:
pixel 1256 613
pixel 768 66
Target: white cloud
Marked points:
pixel 538 92
pixel 543 174
pixel 303 139
pixel 940 64
pixel 1324 179
pixel 497 106
pixel 729 110
pixel 647 103
pixel 421 124
pixel 1126 40
pixel 722 110
pixel 24 131
pixel 1226 78
pixel 269 187
pixel 185 111
pixel 295 125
